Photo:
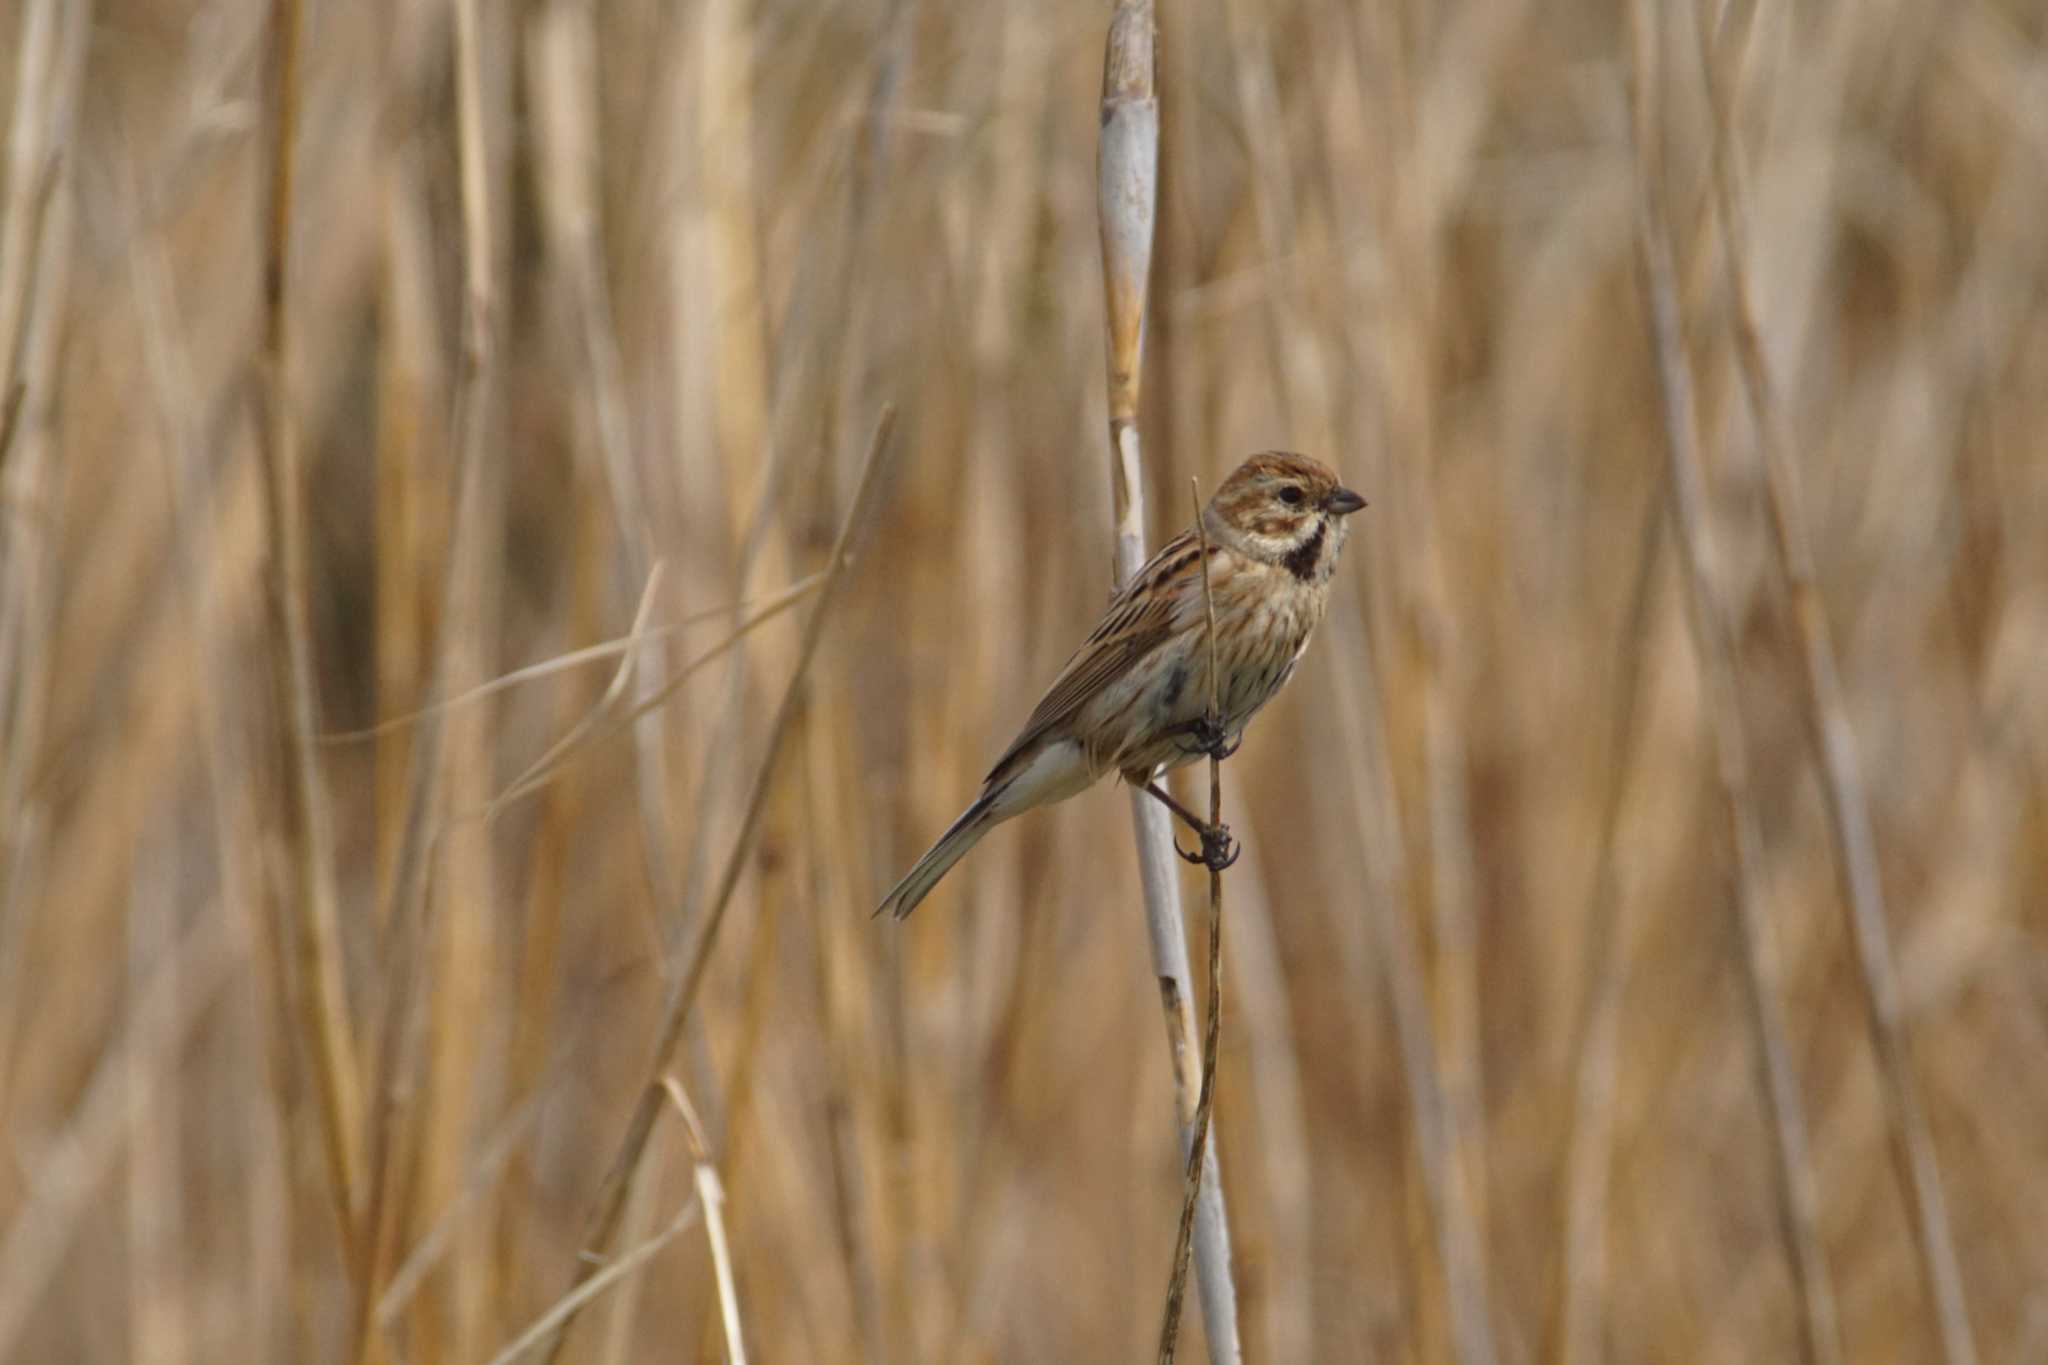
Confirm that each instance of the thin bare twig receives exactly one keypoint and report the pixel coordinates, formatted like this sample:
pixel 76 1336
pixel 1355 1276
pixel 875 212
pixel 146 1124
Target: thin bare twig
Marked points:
pixel 1198 1146
pixel 611 1199
pixel 1127 185
pixel 1827 715
pixel 587 1287
pixel 548 766
pixel 629 665
pixel 764 609
pixel 1712 630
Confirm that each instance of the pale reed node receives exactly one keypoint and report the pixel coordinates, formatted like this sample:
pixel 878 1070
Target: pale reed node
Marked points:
pixel 1134 699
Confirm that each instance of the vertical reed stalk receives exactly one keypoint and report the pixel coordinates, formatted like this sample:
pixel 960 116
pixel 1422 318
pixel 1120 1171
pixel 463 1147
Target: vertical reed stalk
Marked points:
pixel 1827 716
pixel 35 274
pixel 307 899
pixel 395 1134
pixel 463 1072
pixel 1713 635
pixel 682 995
pixel 1579 1294
pixel 1127 190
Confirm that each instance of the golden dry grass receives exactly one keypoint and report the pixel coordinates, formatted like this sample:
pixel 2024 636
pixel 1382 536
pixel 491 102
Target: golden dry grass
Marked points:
pixel 698 249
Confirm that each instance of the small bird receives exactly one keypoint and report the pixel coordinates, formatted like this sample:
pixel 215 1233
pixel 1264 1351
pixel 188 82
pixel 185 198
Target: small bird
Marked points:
pixel 1134 699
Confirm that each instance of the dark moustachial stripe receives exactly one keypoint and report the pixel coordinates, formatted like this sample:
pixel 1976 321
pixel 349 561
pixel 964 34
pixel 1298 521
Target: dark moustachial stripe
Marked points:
pixel 1301 560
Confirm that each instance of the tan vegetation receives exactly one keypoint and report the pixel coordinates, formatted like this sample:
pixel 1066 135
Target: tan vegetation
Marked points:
pixel 1582 1004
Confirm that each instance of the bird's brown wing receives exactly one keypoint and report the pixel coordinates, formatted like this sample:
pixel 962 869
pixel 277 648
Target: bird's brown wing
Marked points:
pixel 1139 620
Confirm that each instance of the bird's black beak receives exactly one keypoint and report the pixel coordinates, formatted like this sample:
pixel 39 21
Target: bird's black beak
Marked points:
pixel 1344 502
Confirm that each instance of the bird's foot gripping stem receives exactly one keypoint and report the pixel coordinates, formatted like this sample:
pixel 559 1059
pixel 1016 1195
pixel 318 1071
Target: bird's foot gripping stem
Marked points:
pixel 1218 851
pixel 1211 738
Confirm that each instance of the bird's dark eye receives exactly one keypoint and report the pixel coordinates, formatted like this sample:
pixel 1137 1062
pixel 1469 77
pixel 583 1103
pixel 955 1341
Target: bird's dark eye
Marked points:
pixel 1291 496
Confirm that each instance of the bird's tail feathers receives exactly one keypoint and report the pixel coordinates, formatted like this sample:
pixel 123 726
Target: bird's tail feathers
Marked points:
pixel 964 833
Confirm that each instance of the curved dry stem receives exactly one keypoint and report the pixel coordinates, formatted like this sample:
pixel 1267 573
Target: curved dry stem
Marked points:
pixel 766 607
pixel 548 766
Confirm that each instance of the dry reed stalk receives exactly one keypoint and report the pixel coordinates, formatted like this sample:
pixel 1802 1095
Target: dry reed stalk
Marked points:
pixel 32 158
pixel 159 1319
pixel 744 1086
pixel 690 977
pixel 1580 1288
pixel 1198 1145
pixel 464 1072
pixel 1434 111
pixel 432 1248
pixel 711 1198
pixel 719 377
pixel 538 955
pixel 1127 187
pixel 1898 280
pixel 865 1223
pixel 1386 949
pixel 166 1009
pixel 1918 1169
pixel 615 1339
pixel 188 479
pixel 399 1150
pixel 1712 630
pixel 35 274
pixel 962 1156
pixel 411 398
pixel 1430 686
pixel 465 1076
pixel 562 78
pixel 315 974
pixel 724 60
pixel 537 992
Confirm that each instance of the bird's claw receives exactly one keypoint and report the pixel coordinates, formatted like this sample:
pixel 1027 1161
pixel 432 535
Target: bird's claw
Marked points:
pixel 1212 739
pixel 1218 851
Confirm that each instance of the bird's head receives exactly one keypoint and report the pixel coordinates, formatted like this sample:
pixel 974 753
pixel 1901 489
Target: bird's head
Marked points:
pixel 1284 509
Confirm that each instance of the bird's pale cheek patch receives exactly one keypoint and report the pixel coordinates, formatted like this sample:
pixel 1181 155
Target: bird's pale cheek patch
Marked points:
pixel 1276 525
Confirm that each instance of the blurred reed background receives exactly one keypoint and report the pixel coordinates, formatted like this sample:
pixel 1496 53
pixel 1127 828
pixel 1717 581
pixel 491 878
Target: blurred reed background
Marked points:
pixel 302 1060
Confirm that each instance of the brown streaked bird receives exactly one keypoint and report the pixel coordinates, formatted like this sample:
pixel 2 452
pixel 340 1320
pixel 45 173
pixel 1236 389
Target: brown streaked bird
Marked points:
pixel 1134 698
